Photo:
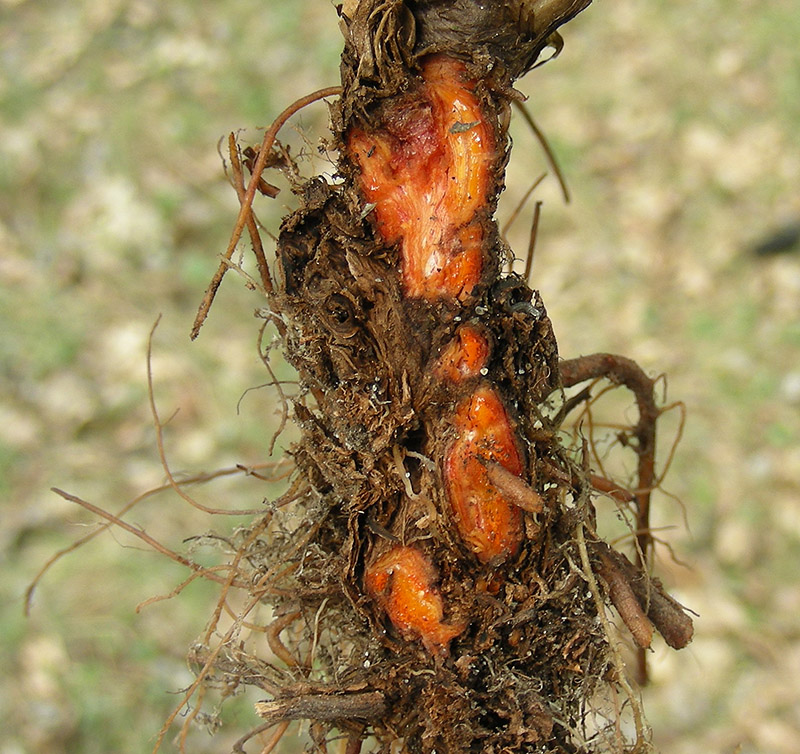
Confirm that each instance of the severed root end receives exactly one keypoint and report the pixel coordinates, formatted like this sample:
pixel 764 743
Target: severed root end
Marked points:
pixel 642 601
pixel 365 705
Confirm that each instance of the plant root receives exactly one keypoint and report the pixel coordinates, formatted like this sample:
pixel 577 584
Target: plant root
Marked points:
pixel 432 580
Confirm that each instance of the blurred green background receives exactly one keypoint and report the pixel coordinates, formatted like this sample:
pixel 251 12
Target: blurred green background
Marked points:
pixel 678 127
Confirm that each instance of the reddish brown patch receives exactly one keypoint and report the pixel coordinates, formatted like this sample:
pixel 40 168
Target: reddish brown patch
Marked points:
pixel 490 525
pixel 427 169
pixel 402 580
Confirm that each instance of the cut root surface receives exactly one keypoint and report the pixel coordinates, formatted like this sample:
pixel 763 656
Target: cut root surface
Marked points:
pixel 426 164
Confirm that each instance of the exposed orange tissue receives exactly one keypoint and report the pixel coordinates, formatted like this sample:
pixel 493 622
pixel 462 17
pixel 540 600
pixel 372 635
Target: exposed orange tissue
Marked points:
pixel 464 356
pixel 402 580
pixel 427 168
pixel 488 524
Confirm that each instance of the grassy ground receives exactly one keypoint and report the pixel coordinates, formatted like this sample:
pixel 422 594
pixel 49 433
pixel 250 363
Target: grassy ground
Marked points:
pixel 678 130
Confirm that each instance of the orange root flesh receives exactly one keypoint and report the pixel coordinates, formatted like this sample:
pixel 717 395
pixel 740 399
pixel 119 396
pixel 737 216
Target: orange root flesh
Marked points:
pixel 464 356
pixel 427 170
pixel 402 580
pixel 487 522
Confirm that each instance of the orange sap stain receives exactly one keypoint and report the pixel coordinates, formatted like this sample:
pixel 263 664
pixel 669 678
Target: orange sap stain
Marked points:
pixel 488 524
pixel 402 580
pixel 464 356
pixel 427 168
